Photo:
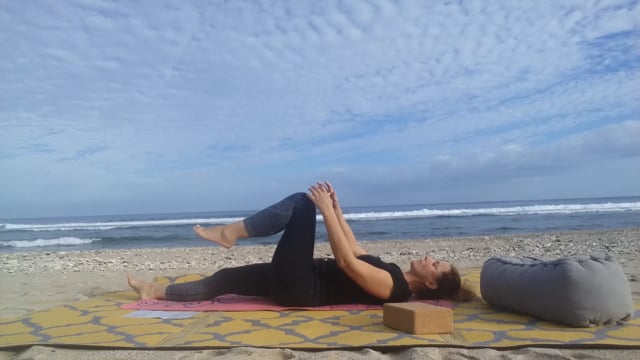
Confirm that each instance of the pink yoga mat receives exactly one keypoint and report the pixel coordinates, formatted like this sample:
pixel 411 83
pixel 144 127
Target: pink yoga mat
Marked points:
pixel 232 302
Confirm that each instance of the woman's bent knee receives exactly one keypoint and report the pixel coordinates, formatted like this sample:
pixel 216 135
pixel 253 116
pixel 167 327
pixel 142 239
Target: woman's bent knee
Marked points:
pixel 302 200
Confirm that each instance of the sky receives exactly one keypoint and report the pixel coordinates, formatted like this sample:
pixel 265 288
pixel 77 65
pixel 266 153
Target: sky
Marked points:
pixel 122 107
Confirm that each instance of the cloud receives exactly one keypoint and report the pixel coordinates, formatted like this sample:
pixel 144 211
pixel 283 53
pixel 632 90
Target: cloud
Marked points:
pixel 164 100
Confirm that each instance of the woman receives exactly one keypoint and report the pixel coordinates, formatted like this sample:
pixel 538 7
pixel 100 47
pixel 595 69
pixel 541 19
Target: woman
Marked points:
pixel 294 277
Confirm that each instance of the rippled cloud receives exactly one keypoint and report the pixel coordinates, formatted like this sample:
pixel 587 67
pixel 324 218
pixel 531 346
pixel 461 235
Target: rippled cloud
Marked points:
pixel 176 106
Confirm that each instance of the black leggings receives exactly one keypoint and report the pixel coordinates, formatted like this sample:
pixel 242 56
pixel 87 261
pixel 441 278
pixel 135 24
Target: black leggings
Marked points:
pixel 288 278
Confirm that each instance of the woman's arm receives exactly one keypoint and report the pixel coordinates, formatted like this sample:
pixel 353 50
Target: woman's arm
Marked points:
pixel 346 229
pixel 375 281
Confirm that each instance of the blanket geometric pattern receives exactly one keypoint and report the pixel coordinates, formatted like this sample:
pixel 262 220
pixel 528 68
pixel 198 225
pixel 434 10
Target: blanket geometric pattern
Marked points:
pixel 101 323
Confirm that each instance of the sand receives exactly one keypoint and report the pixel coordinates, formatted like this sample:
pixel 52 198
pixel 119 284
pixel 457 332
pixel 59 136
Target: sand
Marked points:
pixel 40 280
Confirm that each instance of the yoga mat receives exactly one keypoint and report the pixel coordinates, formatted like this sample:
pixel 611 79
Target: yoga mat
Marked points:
pixel 233 302
pixel 100 323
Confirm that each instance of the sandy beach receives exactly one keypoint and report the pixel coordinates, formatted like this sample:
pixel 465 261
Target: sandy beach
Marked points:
pixel 40 280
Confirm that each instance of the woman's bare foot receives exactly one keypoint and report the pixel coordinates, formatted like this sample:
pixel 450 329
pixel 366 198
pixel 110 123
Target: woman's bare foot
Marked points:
pixel 222 235
pixel 145 290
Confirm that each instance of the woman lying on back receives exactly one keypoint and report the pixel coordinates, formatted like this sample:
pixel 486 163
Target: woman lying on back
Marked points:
pixel 294 277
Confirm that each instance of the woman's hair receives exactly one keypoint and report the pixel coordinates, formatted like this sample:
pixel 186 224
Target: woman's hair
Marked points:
pixel 449 286
pixel 448 283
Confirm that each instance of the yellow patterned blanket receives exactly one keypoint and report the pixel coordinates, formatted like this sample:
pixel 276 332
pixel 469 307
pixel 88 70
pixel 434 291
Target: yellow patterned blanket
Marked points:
pixel 101 323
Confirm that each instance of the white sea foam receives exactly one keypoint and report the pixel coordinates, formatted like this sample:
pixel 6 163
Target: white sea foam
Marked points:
pixel 500 211
pixel 66 240
pixel 114 224
pixel 358 216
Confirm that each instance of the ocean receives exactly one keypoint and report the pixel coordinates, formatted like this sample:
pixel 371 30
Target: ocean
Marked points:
pixel 399 222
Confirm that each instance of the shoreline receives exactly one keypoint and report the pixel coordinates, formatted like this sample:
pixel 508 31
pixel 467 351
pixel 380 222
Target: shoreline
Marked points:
pixel 34 281
pixel 468 251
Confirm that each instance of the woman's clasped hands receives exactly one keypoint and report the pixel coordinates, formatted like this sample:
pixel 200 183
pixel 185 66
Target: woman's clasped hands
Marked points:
pixel 323 195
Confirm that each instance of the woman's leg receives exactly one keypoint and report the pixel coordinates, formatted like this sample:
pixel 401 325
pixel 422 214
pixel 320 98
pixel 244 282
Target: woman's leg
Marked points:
pixel 251 280
pixel 147 290
pixel 266 222
pixel 289 277
pixel 292 262
pixel 224 235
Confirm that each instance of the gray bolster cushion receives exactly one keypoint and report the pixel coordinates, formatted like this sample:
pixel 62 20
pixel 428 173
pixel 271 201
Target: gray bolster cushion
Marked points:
pixel 576 291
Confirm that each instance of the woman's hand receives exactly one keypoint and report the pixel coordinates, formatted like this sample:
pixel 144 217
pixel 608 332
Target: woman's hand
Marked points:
pixel 321 196
pixel 334 195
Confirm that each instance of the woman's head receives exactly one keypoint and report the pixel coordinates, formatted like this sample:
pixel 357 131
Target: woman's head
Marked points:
pixel 437 279
pixel 448 285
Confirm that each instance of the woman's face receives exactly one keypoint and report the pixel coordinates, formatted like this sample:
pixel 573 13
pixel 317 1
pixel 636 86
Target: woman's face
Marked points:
pixel 429 269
